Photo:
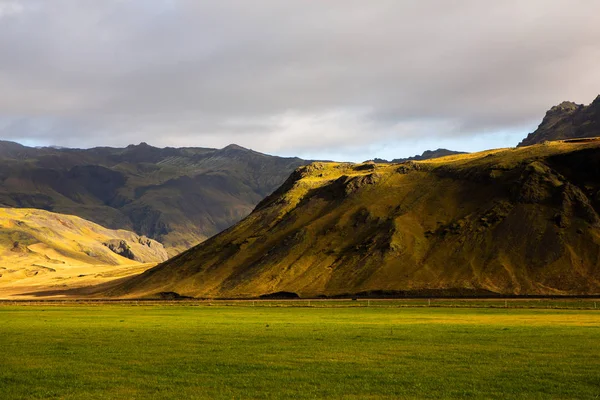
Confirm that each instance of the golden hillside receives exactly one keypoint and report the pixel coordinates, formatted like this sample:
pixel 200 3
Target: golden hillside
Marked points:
pixel 511 221
pixel 44 250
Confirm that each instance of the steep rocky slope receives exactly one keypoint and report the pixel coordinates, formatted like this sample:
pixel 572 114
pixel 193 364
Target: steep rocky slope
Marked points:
pixel 176 196
pixel 567 121
pixel 510 221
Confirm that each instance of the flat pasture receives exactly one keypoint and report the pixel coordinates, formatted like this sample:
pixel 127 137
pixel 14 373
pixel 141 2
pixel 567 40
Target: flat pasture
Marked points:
pixel 270 350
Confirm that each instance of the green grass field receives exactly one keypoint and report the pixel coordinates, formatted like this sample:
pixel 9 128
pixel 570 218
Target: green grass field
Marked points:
pixel 177 351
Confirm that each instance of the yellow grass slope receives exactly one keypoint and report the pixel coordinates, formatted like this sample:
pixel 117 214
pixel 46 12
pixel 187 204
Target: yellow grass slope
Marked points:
pixel 40 250
pixel 510 221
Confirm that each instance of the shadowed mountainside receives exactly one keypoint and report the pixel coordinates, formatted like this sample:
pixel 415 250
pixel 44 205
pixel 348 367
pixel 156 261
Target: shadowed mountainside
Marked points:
pixel 510 221
pixel 178 196
pixel 567 121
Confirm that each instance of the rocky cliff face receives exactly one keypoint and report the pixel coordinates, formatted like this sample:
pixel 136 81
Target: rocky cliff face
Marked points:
pixel 567 121
pixel 136 248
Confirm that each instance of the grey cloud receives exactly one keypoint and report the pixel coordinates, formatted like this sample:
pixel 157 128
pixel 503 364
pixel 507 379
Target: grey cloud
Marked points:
pixel 285 76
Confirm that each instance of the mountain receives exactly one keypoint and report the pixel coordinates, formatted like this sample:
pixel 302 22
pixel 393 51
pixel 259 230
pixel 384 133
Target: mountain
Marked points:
pixel 178 196
pixel 567 121
pixel 44 249
pixel 506 221
pixel 427 155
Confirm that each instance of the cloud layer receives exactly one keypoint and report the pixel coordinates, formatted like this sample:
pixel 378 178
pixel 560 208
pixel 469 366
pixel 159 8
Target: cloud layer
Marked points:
pixel 342 77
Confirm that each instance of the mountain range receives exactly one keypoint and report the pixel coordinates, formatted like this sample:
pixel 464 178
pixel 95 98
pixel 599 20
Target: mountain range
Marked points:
pixel 426 155
pixel 178 196
pixel 521 221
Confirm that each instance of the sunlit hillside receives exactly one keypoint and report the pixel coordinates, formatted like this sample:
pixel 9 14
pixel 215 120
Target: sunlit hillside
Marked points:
pixel 40 250
pixel 506 221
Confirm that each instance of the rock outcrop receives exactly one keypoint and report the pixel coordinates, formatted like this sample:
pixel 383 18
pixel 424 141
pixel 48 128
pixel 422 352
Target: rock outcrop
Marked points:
pixel 567 121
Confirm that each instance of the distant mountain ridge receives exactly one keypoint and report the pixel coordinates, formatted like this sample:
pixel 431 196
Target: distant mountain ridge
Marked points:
pixel 178 196
pixel 427 155
pixel 567 120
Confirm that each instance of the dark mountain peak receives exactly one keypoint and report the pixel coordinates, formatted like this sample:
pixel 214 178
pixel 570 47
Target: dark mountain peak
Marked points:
pixel 438 153
pixel 428 155
pixel 7 144
pixel 567 120
pixel 142 145
pixel 143 152
pixel 10 149
pixel 380 161
pixel 234 146
pixel 564 108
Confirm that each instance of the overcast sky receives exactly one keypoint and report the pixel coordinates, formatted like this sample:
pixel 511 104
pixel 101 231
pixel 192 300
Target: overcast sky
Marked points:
pixel 338 79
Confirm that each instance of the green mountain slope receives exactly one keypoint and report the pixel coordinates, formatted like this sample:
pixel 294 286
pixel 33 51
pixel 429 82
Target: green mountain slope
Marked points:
pixel 567 121
pixel 511 221
pixel 176 196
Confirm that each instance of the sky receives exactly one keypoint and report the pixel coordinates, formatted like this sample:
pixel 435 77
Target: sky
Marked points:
pixel 337 79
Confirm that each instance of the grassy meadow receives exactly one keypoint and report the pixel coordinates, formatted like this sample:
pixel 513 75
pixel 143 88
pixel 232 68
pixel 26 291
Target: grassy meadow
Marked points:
pixel 238 351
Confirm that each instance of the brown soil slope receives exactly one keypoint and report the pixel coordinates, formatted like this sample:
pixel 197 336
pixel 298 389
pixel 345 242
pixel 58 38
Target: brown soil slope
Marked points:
pixel 511 221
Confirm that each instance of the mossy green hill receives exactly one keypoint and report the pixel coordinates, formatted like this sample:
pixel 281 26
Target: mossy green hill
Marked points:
pixel 508 221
